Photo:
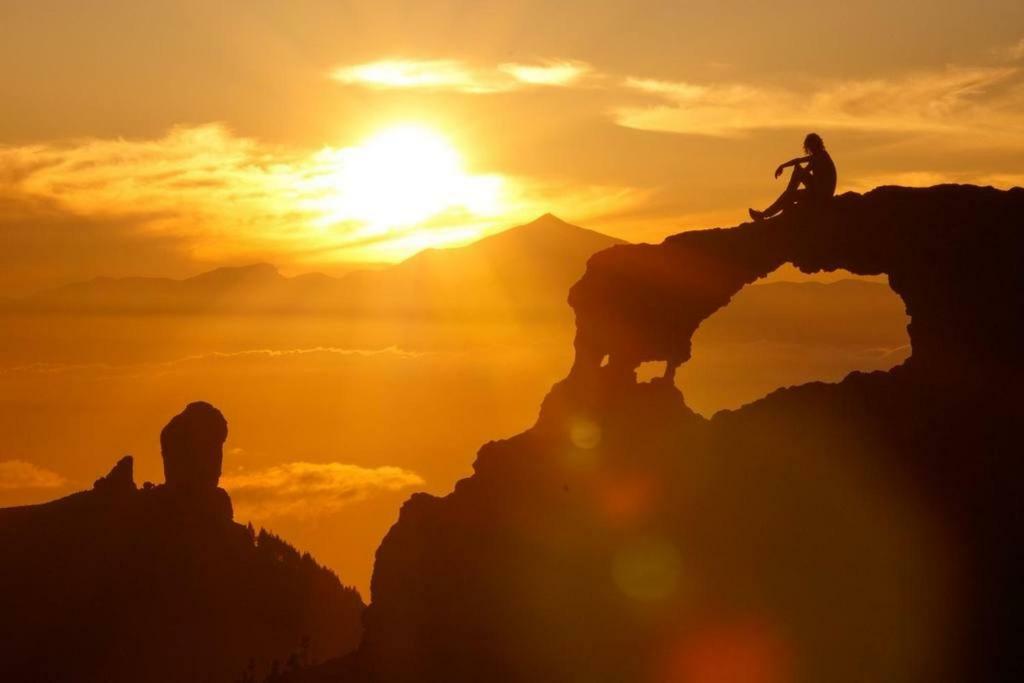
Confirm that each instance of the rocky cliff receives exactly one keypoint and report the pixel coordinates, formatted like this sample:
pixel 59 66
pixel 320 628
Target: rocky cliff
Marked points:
pixel 865 530
pixel 121 584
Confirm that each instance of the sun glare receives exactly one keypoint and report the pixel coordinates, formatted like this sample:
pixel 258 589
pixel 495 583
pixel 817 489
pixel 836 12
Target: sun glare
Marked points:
pixel 401 177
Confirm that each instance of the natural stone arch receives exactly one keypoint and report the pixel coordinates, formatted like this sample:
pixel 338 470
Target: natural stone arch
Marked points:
pixel 939 429
pixel 644 302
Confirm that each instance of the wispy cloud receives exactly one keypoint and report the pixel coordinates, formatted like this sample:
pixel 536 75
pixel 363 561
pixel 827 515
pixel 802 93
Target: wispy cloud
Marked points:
pixel 325 352
pixel 203 194
pixel 457 76
pixel 1012 52
pixel 983 102
pixel 232 197
pixel 221 197
pixel 429 74
pixel 315 350
pixel 19 475
pixel 562 73
pixel 191 178
pixel 305 489
pixel 199 180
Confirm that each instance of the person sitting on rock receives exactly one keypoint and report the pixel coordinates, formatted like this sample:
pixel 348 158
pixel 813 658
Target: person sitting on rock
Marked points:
pixel 818 179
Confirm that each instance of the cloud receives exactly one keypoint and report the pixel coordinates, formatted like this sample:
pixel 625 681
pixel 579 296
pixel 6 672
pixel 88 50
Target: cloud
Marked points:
pixel 305 489
pixel 1012 52
pixel 214 357
pixel 561 73
pixel 315 350
pixel 456 76
pixel 18 474
pixel 983 103
pixel 229 198
pixel 201 195
pixel 430 74
pixel 198 180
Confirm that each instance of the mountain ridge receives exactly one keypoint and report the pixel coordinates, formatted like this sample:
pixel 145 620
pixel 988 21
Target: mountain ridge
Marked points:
pixel 547 253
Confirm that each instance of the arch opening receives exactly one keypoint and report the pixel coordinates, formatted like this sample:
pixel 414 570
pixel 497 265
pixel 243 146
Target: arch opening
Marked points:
pixel 650 370
pixel 788 329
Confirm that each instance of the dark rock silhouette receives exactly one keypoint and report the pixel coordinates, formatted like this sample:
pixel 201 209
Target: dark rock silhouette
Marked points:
pixel 120 480
pixel 159 584
pixel 865 530
pixel 192 446
pixel 941 248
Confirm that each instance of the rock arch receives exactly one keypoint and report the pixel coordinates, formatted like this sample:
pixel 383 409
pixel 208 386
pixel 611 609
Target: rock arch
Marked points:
pixel 643 302
pixel 933 443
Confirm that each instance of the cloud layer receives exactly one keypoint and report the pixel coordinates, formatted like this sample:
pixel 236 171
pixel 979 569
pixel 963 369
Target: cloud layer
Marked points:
pixel 976 102
pixel 207 195
pixel 457 76
pixel 18 475
pixel 984 101
pixel 225 194
pixel 203 195
pixel 305 489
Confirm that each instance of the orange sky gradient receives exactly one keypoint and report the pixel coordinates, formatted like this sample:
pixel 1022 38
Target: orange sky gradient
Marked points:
pixel 177 136
pixel 169 138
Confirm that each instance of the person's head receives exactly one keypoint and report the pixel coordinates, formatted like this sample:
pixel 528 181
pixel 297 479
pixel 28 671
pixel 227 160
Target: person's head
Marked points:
pixel 813 143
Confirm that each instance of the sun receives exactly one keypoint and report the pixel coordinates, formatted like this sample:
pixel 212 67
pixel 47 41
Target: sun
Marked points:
pixel 401 177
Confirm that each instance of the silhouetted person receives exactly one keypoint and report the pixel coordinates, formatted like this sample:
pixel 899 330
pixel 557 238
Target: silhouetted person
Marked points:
pixel 814 183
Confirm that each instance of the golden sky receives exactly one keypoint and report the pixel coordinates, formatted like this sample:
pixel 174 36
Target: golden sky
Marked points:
pixel 164 138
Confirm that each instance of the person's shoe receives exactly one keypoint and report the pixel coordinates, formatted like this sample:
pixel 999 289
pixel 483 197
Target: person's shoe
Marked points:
pixel 756 215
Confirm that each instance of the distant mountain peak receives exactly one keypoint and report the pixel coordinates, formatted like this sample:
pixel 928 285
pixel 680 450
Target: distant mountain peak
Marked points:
pixel 547 228
pixel 262 268
pixel 548 218
pixel 548 221
pixel 255 272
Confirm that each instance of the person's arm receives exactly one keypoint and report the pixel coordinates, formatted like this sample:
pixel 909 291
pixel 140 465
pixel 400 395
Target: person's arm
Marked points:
pixel 791 162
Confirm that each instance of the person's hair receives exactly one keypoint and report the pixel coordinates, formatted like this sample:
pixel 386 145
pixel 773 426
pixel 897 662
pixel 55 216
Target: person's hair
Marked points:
pixel 813 143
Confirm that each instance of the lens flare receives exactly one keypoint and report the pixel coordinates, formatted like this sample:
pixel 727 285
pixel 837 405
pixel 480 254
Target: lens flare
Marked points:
pixel 647 569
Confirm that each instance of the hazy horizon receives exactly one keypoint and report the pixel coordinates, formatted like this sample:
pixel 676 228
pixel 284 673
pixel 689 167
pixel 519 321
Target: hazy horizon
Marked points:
pixel 374 404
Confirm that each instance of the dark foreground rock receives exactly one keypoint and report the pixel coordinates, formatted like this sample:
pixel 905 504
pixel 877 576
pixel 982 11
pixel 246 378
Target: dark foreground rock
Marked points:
pixel 865 530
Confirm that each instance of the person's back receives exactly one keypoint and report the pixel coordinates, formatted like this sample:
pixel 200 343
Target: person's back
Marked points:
pixel 823 171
